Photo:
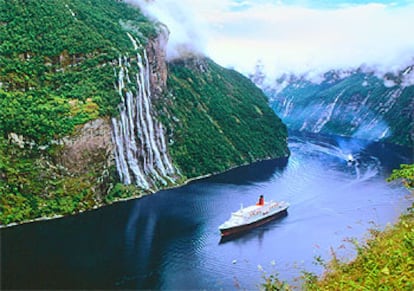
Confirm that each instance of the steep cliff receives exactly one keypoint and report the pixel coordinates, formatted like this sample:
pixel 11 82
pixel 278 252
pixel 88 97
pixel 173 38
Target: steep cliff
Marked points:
pixel 351 103
pixel 92 113
pixel 219 119
pixel 58 66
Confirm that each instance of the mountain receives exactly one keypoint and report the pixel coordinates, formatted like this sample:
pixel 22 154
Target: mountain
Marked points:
pixel 91 111
pixel 355 103
pixel 221 119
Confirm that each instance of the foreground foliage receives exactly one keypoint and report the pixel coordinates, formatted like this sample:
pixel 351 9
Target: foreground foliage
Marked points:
pixel 405 173
pixel 384 262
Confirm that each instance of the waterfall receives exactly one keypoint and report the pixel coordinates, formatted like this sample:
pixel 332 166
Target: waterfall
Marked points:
pixel 141 152
pixel 327 114
pixel 288 106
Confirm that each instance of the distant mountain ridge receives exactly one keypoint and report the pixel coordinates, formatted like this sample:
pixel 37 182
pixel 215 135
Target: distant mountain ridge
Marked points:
pixel 353 103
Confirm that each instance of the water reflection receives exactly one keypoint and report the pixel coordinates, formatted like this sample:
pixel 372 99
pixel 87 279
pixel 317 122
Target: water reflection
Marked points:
pixel 256 233
pixel 250 174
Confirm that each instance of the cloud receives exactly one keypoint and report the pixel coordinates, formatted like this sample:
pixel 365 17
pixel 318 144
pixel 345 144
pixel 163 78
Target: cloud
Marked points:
pixel 187 29
pixel 294 39
pixel 291 38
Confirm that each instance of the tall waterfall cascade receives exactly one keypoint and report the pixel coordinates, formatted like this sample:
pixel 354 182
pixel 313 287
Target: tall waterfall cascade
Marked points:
pixel 140 153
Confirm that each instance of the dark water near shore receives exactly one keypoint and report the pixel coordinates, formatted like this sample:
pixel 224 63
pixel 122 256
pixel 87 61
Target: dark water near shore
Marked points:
pixel 170 240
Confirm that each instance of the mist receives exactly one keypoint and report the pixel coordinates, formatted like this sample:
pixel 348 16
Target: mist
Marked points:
pixel 187 33
pixel 298 38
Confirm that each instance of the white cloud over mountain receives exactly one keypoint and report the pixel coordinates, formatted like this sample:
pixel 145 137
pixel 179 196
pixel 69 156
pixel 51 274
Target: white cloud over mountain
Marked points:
pixel 290 38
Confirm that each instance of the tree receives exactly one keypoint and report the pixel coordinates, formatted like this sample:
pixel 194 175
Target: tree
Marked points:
pixel 38 116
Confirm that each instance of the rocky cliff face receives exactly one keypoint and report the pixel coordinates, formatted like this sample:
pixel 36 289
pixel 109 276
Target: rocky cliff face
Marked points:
pixel 92 112
pixel 353 103
pixel 140 149
pixel 89 150
pixel 156 52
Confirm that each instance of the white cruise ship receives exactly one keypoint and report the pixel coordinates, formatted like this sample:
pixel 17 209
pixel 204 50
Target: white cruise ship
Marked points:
pixel 253 216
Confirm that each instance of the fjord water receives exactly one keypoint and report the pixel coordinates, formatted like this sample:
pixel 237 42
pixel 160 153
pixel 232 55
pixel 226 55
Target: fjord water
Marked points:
pixel 170 240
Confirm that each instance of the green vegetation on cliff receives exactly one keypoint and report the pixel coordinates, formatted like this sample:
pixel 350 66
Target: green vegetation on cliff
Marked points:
pixel 57 73
pixel 58 90
pixel 358 105
pixel 33 186
pixel 219 119
pixel 62 50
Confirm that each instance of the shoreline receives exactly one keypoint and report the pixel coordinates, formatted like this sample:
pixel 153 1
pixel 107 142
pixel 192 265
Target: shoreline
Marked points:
pixel 141 195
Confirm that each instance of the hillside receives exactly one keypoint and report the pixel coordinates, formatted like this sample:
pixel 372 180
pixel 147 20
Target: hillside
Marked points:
pixel 352 103
pixel 221 119
pixel 92 113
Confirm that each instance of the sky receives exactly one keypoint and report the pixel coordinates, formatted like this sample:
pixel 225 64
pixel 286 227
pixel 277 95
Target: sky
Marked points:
pixel 297 37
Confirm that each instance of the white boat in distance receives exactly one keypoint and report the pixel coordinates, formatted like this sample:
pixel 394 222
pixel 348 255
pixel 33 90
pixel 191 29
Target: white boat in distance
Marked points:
pixel 252 216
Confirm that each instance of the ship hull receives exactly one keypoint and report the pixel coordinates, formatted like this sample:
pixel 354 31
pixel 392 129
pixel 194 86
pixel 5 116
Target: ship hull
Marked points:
pixel 227 232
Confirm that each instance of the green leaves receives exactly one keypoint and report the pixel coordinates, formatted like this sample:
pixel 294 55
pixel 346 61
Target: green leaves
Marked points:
pixel 405 173
pixel 66 48
pixel 39 117
pixel 385 262
pixel 50 27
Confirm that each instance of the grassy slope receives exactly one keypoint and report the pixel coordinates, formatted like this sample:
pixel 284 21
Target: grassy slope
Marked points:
pixel 220 119
pixel 386 262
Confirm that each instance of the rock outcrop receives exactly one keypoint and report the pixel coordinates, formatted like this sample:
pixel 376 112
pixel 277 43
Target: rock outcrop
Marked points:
pixel 90 145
